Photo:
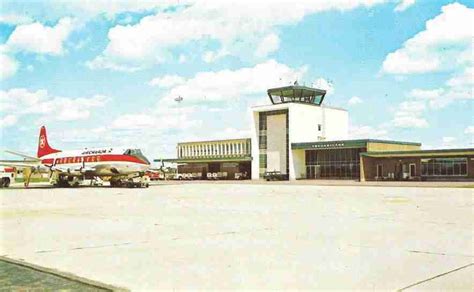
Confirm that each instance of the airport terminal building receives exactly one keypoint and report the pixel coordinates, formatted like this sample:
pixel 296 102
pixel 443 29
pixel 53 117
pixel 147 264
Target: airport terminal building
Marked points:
pixel 299 137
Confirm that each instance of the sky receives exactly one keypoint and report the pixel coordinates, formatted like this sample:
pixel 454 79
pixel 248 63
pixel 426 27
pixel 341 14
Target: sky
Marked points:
pixel 100 73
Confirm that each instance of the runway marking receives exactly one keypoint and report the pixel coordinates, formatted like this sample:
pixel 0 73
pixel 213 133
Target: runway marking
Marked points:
pixel 437 276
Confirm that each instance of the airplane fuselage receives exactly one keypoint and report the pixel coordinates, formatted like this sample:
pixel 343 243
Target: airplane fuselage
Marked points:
pixel 96 162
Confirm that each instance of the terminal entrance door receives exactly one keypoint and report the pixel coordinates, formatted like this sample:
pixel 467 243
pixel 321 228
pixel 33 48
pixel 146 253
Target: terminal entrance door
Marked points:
pixel 412 170
pixel 313 172
pixel 333 163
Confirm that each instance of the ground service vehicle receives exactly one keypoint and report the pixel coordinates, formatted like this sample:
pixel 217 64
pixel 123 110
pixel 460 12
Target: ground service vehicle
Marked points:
pixel 273 175
pixel 7 176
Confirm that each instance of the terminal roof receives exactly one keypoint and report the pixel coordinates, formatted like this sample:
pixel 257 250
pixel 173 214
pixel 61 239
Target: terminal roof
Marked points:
pixel 296 93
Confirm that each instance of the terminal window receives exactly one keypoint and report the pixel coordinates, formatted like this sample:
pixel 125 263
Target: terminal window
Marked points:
pixel 444 167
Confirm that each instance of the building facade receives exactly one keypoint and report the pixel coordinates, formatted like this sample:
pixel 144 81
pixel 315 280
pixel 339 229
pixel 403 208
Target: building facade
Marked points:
pixel 222 159
pixel 300 138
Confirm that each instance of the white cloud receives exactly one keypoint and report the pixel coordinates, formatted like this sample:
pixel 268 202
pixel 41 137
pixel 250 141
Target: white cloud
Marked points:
pixel 231 133
pixel 182 59
pixel 243 28
pixel 420 101
pixel 410 122
pixel 162 125
pixel 102 63
pixel 355 100
pixel 228 85
pixel 269 44
pixel 167 119
pixel 459 87
pixel 364 132
pixel 15 19
pixel 469 130
pixel 426 94
pixel 8 121
pixel 403 5
pixel 37 38
pixel 167 81
pixel 438 47
pixel 409 115
pixel 210 56
pixel 465 78
pixel 448 139
pixel 324 84
pixel 435 98
pixel 449 142
pixel 8 66
pixel 110 8
pixel 135 121
pixel 445 45
pixel 22 102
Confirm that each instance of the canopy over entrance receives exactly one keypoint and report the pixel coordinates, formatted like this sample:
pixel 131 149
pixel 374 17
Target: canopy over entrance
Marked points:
pixel 296 93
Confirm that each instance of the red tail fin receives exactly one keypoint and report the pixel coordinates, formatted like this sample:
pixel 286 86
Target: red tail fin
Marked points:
pixel 43 146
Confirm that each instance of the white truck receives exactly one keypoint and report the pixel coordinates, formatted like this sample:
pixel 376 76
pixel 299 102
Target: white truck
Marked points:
pixel 7 176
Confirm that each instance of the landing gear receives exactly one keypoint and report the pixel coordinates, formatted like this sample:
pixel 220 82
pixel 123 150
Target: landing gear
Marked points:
pixel 136 182
pixel 67 181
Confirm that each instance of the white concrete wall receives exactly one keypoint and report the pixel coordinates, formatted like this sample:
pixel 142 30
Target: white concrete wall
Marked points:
pixel 276 143
pixel 303 127
pixel 297 164
pixel 336 124
pixel 304 120
pixel 255 150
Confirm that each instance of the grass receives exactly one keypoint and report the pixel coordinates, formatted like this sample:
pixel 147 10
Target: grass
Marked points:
pixel 19 278
pixel 32 180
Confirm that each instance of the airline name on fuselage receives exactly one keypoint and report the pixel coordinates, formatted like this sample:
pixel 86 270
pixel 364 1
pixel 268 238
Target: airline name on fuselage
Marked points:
pixel 98 151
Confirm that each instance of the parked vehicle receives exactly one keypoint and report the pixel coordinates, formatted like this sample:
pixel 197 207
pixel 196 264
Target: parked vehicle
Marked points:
pixel 7 176
pixel 154 175
pixel 273 175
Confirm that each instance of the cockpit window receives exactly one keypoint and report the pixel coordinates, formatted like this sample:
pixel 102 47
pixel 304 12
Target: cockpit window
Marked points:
pixel 137 153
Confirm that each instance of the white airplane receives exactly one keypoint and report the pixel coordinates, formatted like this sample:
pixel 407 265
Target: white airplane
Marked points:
pixel 122 167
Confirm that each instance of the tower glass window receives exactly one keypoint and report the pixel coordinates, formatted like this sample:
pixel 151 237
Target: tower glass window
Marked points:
pixel 297 94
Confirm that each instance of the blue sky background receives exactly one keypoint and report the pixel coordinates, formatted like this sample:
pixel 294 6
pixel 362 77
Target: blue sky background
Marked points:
pixel 85 69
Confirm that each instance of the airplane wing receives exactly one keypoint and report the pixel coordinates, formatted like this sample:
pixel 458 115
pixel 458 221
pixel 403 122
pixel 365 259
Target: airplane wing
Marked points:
pixel 20 163
pixel 30 158
pixel 29 161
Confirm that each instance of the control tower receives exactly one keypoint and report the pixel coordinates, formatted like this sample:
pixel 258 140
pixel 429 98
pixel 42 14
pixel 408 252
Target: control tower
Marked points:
pixel 296 115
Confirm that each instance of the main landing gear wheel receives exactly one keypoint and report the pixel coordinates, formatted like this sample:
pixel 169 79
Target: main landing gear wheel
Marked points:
pixel 116 183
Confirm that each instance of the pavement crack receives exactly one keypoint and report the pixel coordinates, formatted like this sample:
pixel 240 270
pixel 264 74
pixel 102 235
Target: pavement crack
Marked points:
pixel 224 233
pixel 87 247
pixel 440 253
pixel 437 276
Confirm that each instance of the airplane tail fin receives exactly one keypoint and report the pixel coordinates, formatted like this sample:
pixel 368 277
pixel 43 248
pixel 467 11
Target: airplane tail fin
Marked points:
pixel 43 146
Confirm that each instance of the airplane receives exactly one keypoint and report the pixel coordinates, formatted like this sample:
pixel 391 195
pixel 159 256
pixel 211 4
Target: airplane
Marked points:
pixel 121 166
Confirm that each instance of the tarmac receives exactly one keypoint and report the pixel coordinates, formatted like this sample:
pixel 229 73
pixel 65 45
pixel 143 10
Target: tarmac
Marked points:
pixel 246 236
